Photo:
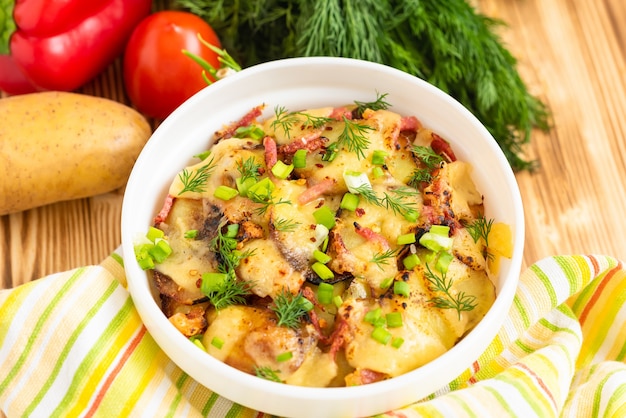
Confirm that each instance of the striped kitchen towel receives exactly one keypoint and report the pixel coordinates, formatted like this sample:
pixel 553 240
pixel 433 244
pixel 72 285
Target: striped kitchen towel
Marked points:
pixel 72 344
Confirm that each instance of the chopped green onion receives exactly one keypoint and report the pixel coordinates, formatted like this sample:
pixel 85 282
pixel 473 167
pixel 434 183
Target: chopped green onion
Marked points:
pixel 378 157
pixel 287 355
pixel 217 342
pixel 282 170
pixel 225 193
pixel 322 271
pixel 198 343
pixel 337 300
pixel 394 319
pixel 349 201
pixel 444 260
pixel 144 259
pixel 436 242
pixel 397 342
pixel 160 251
pixel 381 335
pixel 411 215
pixel 406 239
pixel 442 230
pixel 305 304
pixel 325 293
pixel 331 152
pixel 375 317
pixel 378 172
pixel 356 180
pixel 212 281
pixel 410 261
pixel 299 159
pixel 386 283
pixel 263 188
pixel 321 236
pixel 324 216
pixel 252 131
pixel 154 233
pixel 192 233
pixel 232 230
pixel 203 155
pixel 321 257
pixel 244 186
pixel 401 288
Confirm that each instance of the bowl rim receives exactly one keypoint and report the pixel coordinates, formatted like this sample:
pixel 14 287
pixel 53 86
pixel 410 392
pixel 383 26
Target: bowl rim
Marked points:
pixel 154 319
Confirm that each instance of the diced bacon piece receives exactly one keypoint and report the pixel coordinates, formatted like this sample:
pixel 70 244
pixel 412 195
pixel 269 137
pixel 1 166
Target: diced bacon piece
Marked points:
pixel 339 113
pixel 370 235
pixel 370 376
pixel 316 191
pixel 247 119
pixel 165 210
pixel 311 142
pixel 271 152
pixel 410 123
pixel 442 147
pixel 338 337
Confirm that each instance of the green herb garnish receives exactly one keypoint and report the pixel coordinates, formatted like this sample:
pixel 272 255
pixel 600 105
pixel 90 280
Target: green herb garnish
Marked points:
pixel 285 225
pixel 382 259
pixel 353 137
pixel 285 120
pixel 196 181
pixel 378 104
pixel 461 302
pixel 290 308
pixel 267 373
pixel 249 169
pixel 451 44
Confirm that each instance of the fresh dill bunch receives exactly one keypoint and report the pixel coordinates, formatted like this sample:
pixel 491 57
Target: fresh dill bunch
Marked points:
pixel 449 43
pixel 383 258
pixel 290 308
pixel 196 181
pixel 459 302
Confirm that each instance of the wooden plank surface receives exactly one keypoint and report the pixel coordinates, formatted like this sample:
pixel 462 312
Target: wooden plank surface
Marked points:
pixel 572 53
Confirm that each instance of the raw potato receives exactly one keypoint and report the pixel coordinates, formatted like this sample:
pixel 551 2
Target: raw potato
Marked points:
pixel 57 146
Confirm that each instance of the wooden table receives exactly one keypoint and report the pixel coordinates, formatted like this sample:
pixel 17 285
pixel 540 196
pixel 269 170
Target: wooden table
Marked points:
pixel 572 54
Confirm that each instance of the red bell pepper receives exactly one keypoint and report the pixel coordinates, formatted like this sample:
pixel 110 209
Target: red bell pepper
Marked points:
pixel 63 44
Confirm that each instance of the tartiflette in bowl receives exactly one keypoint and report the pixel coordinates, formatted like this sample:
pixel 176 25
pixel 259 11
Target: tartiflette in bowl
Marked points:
pixel 322 237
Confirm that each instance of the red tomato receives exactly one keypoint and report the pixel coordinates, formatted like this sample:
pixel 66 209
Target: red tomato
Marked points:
pixel 158 77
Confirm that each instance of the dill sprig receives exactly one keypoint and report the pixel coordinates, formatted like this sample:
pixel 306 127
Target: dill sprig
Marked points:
pixel 289 308
pixel 448 43
pixel 427 156
pixel 196 181
pixel 383 259
pixel 265 201
pixel 286 120
pixel 480 228
pixel 397 201
pixel 459 302
pixel 378 104
pixel 232 290
pixel 353 137
pixel 285 225
pixel 266 372
pixel 249 169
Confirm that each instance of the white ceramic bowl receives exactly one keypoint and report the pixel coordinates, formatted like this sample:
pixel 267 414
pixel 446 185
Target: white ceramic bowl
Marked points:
pixel 301 83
